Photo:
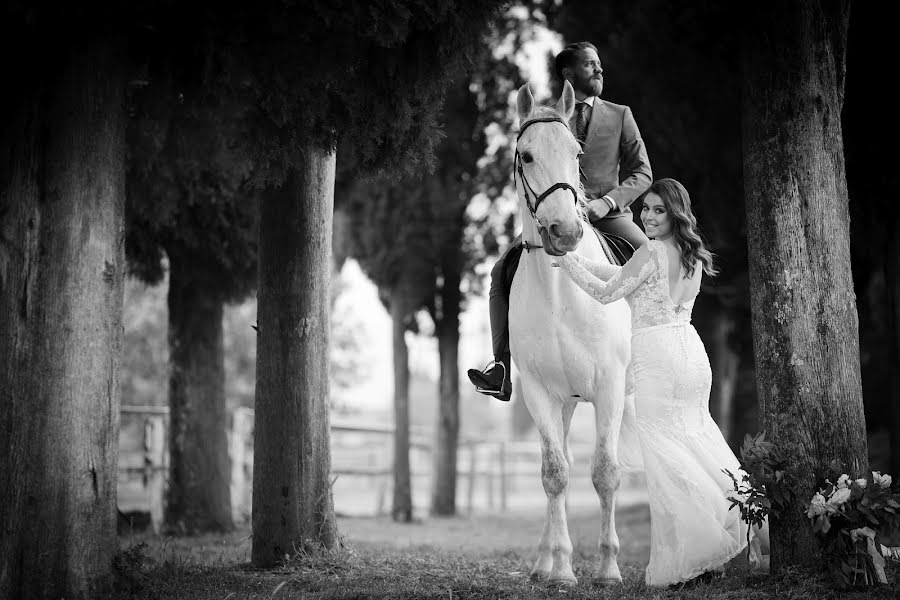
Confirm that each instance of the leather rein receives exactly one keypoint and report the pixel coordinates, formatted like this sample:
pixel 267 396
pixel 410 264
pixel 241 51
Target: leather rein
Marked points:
pixel 538 198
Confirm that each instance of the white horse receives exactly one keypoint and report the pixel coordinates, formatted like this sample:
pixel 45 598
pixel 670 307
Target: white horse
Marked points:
pixel 567 347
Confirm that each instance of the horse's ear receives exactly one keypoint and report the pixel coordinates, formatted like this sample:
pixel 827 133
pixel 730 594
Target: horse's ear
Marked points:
pixel 524 103
pixel 566 103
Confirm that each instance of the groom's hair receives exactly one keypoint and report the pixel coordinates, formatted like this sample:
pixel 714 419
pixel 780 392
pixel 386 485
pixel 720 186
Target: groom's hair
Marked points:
pixel 566 58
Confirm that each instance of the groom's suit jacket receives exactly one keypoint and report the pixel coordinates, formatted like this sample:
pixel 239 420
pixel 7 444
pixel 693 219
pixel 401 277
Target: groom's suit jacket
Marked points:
pixel 615 160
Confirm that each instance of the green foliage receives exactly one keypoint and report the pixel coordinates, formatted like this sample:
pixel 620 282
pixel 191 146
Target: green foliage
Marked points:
pixel 760 487
pixel 131 569
pixel 409 232
pixel 768 470
pixel 369 75
pixel 187 196
pixel 494 82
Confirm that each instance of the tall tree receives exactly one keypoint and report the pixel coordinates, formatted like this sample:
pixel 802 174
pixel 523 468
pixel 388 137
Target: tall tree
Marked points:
pixel 187 201
pixel 394 224
pixel 62 193
pixel 804 313
pixel 416 254
pixel 311 76
pixel 464 167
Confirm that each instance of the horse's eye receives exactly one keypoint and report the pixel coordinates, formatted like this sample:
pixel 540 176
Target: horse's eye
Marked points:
pixel 527 157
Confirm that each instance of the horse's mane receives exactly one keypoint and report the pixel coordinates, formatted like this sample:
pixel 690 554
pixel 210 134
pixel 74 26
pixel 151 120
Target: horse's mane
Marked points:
pixel 543 112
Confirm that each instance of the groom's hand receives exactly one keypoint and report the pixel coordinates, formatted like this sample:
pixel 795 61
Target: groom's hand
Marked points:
pixel 597 209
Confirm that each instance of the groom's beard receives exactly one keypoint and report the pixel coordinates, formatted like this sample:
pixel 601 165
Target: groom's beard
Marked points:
pixel 590 86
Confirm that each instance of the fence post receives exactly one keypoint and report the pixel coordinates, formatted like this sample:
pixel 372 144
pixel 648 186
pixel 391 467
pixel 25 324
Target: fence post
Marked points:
pixel 241 463
pixel 489 472
pixel 155 465
pixel 473 465
pixel 503 489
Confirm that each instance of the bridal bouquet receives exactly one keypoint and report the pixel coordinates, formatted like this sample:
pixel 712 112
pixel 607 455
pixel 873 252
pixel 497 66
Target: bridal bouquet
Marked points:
pixel 855 518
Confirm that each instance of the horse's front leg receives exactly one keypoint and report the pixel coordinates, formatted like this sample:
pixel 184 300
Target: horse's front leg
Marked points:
pixel 554 561
pixel 606 478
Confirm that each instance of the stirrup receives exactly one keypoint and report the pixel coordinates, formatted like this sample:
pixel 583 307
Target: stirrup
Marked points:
pixel 484 390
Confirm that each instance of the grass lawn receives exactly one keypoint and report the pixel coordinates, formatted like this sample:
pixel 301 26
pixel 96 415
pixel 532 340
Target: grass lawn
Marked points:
pixel 479 557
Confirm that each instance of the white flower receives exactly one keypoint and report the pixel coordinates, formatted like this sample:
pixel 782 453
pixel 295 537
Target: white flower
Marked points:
pixel 861 482
pixel 839 497
pixel 866 532
pixel 741 496
pixel 883 480
pixel 817 506
pixel 843 481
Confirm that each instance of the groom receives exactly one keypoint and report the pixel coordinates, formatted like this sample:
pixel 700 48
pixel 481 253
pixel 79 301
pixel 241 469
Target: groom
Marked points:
pixel 615 170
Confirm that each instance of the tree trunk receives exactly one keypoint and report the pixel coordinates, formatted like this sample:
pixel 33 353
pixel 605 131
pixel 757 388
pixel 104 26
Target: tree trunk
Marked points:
pixel 805 322
pixel 62 190
pixel 892 272
pixel 292 498
pixel 725 363
pixel 402 509
pixel 443 491
pixel 199 486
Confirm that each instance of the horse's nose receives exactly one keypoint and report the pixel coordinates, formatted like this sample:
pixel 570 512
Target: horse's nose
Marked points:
pixel 565 233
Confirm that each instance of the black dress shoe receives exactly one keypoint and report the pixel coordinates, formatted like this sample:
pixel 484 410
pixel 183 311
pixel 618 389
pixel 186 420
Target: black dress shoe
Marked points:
pixel 493 380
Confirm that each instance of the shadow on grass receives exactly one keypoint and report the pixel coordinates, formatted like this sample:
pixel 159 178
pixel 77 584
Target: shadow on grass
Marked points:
pixel 481 557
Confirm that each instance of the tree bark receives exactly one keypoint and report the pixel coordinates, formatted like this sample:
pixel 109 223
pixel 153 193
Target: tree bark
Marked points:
pixel 292 498
pixel 805 323
pixel 62 190
pixel 402 508
pixel 199 486
pixel 443 492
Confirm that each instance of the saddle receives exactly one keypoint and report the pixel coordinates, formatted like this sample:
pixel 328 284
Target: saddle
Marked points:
pixel 617 249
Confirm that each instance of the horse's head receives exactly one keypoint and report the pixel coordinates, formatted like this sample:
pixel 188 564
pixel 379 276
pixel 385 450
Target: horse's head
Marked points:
pixel 547 169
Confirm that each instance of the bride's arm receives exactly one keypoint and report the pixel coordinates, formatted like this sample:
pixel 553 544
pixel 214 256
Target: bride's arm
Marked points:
pixel 600 270
pixel 623 282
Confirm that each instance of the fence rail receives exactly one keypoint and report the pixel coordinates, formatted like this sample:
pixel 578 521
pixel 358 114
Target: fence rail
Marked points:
pixel 488 470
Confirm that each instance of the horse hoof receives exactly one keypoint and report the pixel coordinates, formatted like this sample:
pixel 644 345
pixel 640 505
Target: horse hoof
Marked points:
pixel 539 576
pixel 606 581
pixel 564 581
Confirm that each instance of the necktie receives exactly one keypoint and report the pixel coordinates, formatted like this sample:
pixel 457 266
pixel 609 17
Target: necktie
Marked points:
pixel 581 120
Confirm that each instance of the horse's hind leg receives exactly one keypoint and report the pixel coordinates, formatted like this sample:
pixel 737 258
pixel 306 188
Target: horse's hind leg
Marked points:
pixel 606 477
pixel 554 561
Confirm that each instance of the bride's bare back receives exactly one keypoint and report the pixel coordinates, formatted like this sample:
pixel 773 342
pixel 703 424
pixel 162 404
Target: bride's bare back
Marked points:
pixel 682 289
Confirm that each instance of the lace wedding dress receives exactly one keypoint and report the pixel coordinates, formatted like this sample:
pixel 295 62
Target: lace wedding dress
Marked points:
pixel 670 431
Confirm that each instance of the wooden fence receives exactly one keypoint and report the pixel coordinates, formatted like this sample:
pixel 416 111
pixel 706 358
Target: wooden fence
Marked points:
pixel 493 474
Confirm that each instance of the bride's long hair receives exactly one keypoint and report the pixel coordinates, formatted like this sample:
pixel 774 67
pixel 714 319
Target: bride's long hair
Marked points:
pixel 684 226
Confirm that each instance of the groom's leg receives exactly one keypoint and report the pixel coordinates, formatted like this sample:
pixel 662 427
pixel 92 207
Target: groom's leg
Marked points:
pixel 497 376
pixel 623 227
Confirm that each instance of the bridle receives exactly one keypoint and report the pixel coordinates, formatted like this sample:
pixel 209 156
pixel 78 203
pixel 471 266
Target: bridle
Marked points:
pixel 538 198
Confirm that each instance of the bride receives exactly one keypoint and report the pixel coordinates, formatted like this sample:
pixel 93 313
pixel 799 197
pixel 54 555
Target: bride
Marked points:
pixel 692 533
